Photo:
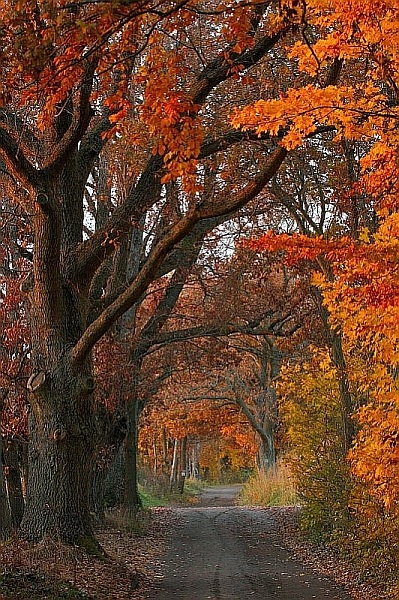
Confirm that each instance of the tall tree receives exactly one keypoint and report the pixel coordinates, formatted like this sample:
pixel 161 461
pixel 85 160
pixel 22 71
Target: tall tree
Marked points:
pixel 163 88
pixel 5 517
pixel 64 98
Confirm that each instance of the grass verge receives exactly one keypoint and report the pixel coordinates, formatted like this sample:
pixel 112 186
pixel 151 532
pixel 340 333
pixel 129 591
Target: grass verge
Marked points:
pixel 271 488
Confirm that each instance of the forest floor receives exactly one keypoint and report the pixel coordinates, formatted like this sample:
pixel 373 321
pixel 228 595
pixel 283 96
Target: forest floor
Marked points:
pixel 213 550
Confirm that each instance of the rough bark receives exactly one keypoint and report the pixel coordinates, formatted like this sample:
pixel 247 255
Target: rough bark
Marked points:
pixel 132 501
pixel 348 429
pixel 14 482
pixel 107 486
pixel 114 481
pixel 5 518
pixel 61 422
pixel 61 454
pixel 97 502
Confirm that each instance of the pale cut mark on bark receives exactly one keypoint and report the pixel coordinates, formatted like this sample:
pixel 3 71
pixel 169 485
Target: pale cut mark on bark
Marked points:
pixel 35 381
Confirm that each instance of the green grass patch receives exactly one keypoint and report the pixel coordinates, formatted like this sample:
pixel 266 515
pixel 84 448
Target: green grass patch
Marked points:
pixel 193 487
pixel 154 497
pixel 151 499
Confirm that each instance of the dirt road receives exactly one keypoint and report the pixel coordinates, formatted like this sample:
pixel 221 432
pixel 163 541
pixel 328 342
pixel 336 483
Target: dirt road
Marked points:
pixel 218 551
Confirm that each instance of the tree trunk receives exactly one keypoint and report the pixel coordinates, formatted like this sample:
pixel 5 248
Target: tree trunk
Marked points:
pixel 155 453
pixel 132 501
pixel 173 470
pixel 108 476
pixel 194 461
pixel 5 519
pixel 267 407
pixel 348 429
pixel 62 427
pixel 98 493
pixel 13 482
pixel 337 355
pixel 23 467
pixel 165 457
pixel 266 458
pixel 114 481
pixel 334 339
pixel 183 465
pixel 61 455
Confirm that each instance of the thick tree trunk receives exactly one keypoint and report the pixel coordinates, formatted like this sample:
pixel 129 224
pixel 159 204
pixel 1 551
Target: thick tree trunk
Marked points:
pixel 269 369
pixel 266 458
pixel 107 490
pixel 61 455
pixel 98 494
pixel 5 519
pixel 348 429
pixel 61 422
pixel 23 467
pixel 108 476
pixel 114 482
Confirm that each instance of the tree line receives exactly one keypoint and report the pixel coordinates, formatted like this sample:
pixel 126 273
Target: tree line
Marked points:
pixel 216 181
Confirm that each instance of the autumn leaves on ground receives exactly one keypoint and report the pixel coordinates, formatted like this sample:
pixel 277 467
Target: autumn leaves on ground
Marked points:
pixel 198 272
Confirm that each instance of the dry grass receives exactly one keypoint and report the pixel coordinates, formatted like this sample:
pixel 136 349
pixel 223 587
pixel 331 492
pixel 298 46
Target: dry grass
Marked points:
pixel 274 488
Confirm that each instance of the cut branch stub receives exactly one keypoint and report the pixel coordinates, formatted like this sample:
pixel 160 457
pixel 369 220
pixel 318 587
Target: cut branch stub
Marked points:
pixel 42 198
pixel 35 381
pixel 58 435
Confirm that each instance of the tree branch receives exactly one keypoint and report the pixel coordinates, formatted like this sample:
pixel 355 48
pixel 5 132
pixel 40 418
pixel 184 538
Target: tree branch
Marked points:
pixel 92 252
pixel 81 117
pixel 221 68
pixel 19 166
pixel 157 255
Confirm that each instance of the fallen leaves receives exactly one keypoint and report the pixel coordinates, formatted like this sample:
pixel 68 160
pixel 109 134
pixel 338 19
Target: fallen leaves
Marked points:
pixel 122 576
pixel 322 560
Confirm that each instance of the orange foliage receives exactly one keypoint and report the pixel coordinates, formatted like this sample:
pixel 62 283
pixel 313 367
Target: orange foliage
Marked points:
pixel 362 290
pixel 364 302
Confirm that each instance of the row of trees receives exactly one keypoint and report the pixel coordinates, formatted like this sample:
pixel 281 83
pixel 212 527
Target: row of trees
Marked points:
pixel 140 142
